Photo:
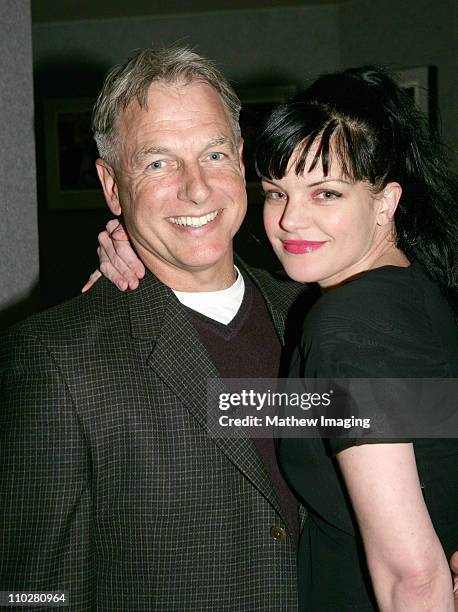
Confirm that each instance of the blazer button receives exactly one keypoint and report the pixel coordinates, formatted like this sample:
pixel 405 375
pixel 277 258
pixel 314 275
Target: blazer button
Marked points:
pixel 278 533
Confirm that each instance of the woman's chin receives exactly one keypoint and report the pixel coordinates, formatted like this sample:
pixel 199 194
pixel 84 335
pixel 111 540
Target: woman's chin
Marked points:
pixel 300 275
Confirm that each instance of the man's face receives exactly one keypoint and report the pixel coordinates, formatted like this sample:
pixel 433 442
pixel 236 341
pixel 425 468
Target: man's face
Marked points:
pixel 179 183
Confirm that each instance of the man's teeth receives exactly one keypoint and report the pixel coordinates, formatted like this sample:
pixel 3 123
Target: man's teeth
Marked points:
pixel 194 221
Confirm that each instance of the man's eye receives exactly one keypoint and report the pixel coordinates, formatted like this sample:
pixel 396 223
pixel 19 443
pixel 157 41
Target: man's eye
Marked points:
pixel 215 156
pixel 157 165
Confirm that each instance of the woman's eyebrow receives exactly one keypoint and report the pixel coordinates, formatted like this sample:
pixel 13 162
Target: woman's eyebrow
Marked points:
pixel 329 180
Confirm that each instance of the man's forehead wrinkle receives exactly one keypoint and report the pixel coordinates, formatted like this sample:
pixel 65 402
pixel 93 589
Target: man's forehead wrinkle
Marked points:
pixel 209 133
pixel 176 118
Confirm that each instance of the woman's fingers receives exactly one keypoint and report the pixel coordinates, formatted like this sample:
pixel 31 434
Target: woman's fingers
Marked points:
pixel 118 262
pixel 120 252
pixel 91 281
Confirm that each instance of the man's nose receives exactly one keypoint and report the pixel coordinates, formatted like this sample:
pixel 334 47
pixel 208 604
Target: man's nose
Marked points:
pixel 295 216
pixel 193 186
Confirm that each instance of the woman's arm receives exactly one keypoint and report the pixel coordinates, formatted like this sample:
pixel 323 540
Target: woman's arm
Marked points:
pixel 407 563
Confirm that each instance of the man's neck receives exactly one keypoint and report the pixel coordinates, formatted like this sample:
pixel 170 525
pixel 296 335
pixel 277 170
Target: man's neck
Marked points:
pixel 212 278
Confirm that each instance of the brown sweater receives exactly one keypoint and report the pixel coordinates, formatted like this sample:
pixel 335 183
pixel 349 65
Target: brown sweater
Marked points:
pixel 248 347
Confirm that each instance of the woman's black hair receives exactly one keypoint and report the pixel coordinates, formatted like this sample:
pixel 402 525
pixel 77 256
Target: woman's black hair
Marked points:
pixel 370 124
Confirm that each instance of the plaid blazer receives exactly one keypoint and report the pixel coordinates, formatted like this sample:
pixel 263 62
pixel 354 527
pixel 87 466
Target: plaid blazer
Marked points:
pixel 110 486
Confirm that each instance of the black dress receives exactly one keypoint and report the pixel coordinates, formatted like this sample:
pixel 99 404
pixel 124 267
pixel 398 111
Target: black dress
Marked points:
pixel 389 322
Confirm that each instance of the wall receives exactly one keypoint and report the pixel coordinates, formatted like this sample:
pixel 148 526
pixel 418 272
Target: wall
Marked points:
pixel 407 34
pixel 268 45
pixel 262 47
pixel 18 202
pixel 272 45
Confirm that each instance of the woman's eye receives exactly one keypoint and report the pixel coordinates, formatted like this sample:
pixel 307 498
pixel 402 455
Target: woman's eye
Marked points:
pixel 329 195
pixel 274 195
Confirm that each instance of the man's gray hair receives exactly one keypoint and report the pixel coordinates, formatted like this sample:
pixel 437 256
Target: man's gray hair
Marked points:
pixel 131 80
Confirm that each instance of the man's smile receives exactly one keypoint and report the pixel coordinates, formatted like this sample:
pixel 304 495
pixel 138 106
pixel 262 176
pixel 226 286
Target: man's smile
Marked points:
pixel 195 221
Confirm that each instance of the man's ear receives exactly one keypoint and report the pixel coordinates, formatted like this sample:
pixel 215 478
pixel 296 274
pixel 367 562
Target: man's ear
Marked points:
pixel 241 160
pixel 388 202
pixel 107 178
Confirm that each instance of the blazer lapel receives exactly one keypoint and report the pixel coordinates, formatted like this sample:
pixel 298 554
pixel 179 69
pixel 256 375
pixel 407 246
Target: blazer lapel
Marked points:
pixel 182 362
pixel 270 290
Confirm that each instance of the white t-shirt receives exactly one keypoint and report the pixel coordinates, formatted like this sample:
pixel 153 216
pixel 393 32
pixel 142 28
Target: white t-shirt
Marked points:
pixel 221 305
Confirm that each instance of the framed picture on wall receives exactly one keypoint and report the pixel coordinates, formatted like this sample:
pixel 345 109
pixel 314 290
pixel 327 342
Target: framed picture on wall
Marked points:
pixel 421 85
pixel 71 177
pixel 256 103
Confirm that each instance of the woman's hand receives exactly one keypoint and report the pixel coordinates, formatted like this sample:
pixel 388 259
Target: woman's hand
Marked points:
pixel 118 261
pixel 408 566
pixel 454 566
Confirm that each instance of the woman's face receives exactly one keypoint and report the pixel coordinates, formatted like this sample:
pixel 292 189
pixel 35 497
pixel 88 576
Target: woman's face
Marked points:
pixel 322 228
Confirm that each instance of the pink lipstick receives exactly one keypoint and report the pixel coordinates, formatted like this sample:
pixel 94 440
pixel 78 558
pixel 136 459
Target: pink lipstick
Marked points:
pixel 298 247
